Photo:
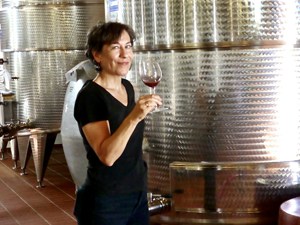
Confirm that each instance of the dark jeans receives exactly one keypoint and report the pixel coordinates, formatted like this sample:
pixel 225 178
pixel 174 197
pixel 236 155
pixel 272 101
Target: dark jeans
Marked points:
pixel 125 209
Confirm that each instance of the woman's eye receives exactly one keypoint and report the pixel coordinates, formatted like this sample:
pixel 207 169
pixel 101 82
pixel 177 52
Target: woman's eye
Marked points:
pixel 115 47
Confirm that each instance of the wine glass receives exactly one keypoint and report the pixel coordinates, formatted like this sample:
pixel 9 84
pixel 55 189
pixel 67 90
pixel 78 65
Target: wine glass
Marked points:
pixel 151 74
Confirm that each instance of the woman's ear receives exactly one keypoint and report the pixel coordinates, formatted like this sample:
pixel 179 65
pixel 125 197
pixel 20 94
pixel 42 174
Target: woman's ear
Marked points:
pixel 96 56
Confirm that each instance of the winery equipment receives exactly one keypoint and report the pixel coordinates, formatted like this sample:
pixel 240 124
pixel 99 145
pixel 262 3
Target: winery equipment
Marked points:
pixel 71 139
pixel 228 150
pixel 40 49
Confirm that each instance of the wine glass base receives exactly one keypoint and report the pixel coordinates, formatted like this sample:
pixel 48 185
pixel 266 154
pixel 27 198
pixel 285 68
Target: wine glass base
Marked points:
pixel 160 109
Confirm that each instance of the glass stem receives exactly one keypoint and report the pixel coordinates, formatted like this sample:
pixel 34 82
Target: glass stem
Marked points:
pixel 153 90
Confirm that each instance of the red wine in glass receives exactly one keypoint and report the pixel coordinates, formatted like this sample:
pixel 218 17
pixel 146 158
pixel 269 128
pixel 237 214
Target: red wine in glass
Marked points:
pixel 151 84
pixel 151 74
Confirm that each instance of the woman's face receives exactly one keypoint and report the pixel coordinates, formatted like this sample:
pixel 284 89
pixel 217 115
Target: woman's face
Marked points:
pixel 116 58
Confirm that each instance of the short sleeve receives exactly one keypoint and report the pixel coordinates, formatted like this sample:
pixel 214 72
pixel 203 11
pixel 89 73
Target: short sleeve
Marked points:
pixel 89 105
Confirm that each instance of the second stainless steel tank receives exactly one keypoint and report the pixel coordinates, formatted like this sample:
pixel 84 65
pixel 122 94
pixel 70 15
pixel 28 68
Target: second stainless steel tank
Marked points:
pixel 230 143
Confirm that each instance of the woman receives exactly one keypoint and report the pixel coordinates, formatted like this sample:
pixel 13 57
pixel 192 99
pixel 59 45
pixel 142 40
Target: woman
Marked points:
pixel 112 126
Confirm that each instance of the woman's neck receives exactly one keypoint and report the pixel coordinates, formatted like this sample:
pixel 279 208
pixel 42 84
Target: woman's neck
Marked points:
pixel 109 82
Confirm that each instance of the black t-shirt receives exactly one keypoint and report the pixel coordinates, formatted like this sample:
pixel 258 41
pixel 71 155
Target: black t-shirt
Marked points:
pixel 129 172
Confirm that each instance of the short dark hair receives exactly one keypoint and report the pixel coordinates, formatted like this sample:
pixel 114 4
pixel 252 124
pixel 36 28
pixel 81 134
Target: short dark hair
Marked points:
pixel 105 33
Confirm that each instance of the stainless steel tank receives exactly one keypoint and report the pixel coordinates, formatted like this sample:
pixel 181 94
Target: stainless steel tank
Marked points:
pixel 43 40
pixel 227 151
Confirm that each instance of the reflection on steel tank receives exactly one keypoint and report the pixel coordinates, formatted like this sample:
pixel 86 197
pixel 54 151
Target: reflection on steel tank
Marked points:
pixel 43 40
pixel 230 141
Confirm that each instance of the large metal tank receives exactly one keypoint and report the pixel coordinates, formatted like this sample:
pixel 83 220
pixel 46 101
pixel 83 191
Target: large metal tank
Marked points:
pixel 227 151
pixel 43 40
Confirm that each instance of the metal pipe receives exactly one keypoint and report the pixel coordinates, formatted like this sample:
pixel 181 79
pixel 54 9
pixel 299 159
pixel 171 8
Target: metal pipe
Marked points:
pixel 159 205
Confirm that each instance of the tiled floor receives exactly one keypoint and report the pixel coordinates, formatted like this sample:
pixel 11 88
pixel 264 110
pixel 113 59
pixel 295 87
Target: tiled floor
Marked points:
pixel 22 203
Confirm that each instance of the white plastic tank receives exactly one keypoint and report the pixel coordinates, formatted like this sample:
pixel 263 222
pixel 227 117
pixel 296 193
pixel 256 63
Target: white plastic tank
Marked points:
pixel 71 139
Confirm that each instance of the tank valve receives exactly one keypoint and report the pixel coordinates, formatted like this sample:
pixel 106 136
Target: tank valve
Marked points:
pixel 2 61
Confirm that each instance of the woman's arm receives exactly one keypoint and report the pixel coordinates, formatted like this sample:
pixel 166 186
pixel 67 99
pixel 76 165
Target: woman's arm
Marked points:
pixel 109 147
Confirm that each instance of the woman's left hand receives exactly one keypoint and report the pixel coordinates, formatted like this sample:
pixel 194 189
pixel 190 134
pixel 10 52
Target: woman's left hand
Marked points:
pixel 145 105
